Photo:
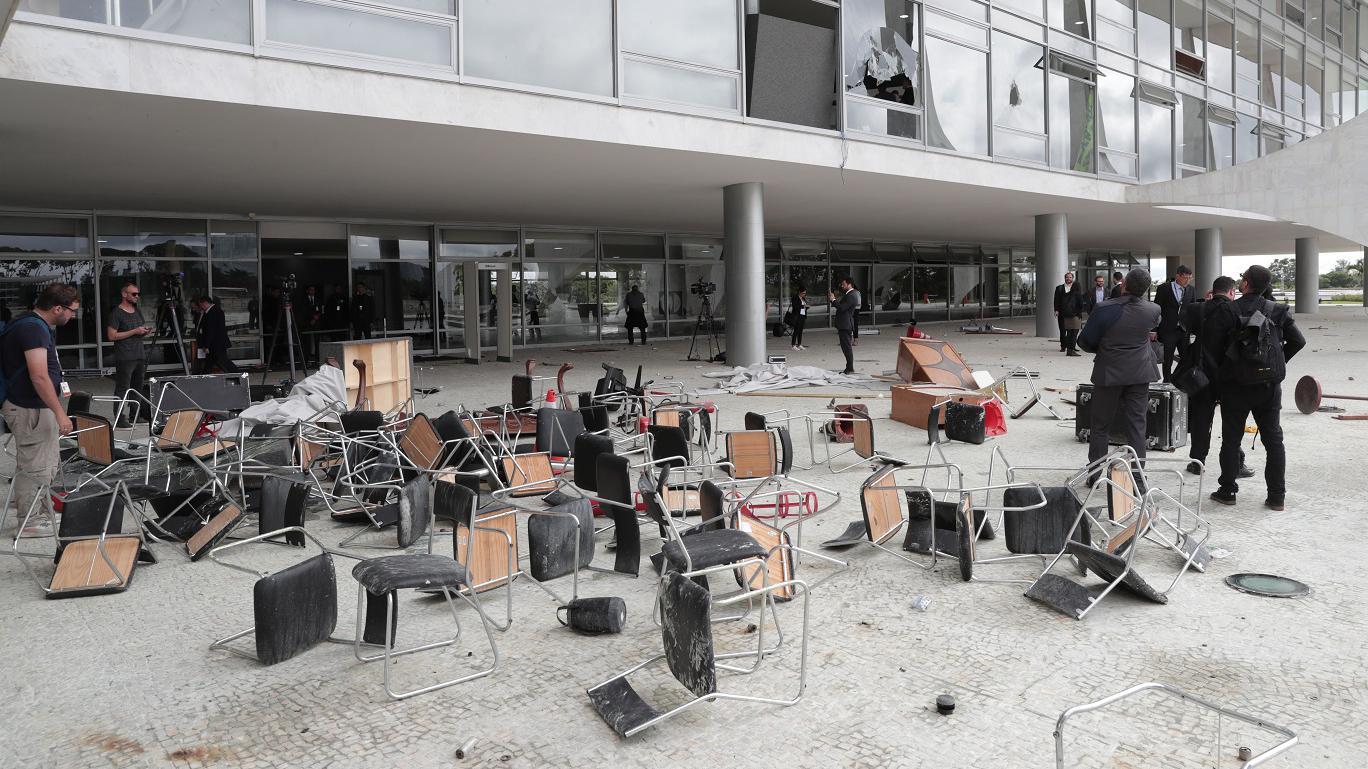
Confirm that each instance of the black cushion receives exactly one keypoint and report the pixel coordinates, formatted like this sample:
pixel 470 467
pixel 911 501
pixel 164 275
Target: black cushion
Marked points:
pixel 712 548
pixel 522 391
pixel 295 608
pixel 595 418
pixel 667 442
pixel 588 448
pixel 282 504
pixel 614 477
pixel 411 570
pixel 354 422
pixel 965 422
pixel 1042 531
pixel 712 505
pixel 754 421
pixel 551 540
pixel 557 430
pixel 686 632
pixel 453 501
pixel 415 510
pixel 785 450
pixel 84 516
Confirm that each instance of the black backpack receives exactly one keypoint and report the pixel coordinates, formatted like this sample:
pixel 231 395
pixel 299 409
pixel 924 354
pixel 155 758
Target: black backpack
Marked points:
pixel 1254 353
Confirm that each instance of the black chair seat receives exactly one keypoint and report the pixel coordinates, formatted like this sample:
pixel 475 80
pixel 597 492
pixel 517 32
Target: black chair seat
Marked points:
pixel 713 548
pixel 398 572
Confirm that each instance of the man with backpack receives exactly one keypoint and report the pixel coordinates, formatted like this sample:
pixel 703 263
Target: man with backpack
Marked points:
pixel 1198 371
pixel 1256 338
pixel 31 377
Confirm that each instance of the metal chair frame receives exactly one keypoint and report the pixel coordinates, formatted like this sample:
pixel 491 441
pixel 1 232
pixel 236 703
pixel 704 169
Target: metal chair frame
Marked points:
pixel 119 580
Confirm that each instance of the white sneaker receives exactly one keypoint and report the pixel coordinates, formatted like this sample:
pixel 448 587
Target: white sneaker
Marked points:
pixel 801 347
pixel 795 347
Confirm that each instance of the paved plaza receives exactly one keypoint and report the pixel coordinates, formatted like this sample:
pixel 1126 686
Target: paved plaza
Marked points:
pixel 128 680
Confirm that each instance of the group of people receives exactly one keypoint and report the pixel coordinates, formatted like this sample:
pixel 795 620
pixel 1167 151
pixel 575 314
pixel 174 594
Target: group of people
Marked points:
pixel 1072 304
pixel 1232 354
pixel 846 302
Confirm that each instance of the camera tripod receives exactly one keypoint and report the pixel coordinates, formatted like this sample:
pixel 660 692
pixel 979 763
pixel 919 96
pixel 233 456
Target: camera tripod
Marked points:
pixel 285 315
pixel 708 327
pixel 168 314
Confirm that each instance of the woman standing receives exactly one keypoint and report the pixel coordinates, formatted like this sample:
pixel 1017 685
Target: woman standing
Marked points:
pixel 1071 314
pixel 798 310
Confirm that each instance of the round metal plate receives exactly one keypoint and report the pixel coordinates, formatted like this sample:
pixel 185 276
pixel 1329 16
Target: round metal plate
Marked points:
pixel 1307 395
pixel 1268 585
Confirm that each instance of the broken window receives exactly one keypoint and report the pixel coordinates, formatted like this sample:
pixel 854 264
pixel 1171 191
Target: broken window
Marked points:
pixel 881 59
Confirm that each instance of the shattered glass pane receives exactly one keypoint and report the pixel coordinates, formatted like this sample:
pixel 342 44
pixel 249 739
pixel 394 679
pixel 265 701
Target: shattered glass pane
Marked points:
pixel 880 50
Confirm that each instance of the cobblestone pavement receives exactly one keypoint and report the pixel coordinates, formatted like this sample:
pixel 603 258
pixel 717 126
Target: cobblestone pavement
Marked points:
pixel 128 680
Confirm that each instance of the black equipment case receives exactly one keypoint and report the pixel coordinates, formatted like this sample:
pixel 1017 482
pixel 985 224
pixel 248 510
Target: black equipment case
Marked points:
pixel 1165 423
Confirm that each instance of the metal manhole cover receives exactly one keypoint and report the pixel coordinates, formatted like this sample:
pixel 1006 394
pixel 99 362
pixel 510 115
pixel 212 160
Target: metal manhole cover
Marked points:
pixel 1268 585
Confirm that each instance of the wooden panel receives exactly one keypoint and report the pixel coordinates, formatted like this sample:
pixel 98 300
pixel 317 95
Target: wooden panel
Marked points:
pixel 180 428
pixel 489 559
pixel 666 417
pixel 682 500
pixel 752 454
pixel 81 566
pixel 207 449
pixel 883 509
pixel 529 468
pixel 1120 505
pixel 389 369
pixel 96 443
pixel 934 361
pixel 420 443
pixel 225 518
pixel 779 565
pixel 863 429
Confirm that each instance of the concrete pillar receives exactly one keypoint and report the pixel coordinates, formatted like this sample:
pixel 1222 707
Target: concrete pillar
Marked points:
pixel 1052 261
pixel 1170 269
pixel 1209 259
pixel 505 315
pixel 1308 276
pixel 743 224
pixel 1364 273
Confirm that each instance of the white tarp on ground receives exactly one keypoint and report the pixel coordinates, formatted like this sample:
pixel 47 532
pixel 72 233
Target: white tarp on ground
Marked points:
pixel 781 376
pixel 317 391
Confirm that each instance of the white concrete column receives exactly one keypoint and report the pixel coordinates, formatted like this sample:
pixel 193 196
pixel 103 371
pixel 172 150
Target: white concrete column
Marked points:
pixel 1052 261
pixel 743 224
pixel 504 332
pixel 1308 276
pixel 1209 259
pixel 1364 272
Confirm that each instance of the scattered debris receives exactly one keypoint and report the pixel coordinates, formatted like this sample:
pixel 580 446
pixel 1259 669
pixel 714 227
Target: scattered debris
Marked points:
pixel 1309 395
pixel 779 376
pixel 1268 585
pixel 921 602
pixel 983 327
pixel 945 704
pixel 751 628
pixel 1220 552
pixel 1244 753
pixel 464 750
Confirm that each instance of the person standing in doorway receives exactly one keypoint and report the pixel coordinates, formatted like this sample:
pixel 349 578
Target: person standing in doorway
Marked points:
pixel 847 305
pixel 126 329
pixel 532 301
pixel 32 407
pixel 1257 338
pixel 310 319
pixel 212 338
pixel 336 317
pixel 362 312
pixel 635 304
pixel 1172 297
pixel 1118 333
pixel 798 310
pixel 1061 294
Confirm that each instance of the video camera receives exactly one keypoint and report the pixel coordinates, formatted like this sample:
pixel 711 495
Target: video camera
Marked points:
pixel 171 286
pixel 703 288
pixel 288 284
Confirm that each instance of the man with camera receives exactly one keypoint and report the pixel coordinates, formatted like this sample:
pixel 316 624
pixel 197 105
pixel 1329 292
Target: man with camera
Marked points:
pixel 846 307
pixel 126 329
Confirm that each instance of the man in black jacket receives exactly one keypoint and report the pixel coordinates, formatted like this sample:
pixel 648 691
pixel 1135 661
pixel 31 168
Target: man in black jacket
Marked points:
pixel 1118 285
pixel 212 338
pixel 846 307
pixel 1061 294
pixel 1172 297
pixel 1241 394
pixel 1096 295
pixel 1118 332
pixel 362 312
pixel 1206 352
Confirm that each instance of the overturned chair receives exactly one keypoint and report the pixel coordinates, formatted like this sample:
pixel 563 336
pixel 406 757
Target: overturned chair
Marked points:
pixel 688 651
pixel 296 607
pixel 93 555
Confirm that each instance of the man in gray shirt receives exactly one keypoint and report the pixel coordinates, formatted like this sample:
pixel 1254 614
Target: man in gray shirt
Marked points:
pixel 126 329
pixel 1118 332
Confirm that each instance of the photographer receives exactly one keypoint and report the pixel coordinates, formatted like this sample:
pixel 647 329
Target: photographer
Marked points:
pixel 211 338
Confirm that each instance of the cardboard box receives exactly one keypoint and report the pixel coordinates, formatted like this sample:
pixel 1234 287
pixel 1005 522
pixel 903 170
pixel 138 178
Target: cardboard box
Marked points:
pixel 933 361
pixel 912 403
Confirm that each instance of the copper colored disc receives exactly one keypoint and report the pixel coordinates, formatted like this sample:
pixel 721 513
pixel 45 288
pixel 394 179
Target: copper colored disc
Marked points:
pixel 1307 395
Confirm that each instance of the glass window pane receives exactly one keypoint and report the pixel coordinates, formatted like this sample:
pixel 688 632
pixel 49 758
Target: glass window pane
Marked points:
pixel 1271 72
pixel 1032 8
pixel 1246 138
pixel 481 245
pixel 1222 145
pixel 881 50
pixel 401 292
pixel 874 119
pixel 382 242
pixel 1009 144
pixel 1192 133
pixel 1246 57
pixel 1121 12
pixel 43 235
pixel 618 279
pixel 168 286
pixel 1073 16
pixel 152 238
pixel 561 44
pixel 1314 85
pixel 654 28
pixel 1293 93
pixel 792 65
pixel 296 22
pixel 1187 27
pixel 1116 122
pixel 1073 118
pixel 80 10
pixel 956 97
pixel 233 240
pixel 234 287
pixel 686 86
pixel 954 27
pixel 932 285
pixel 1018 84
pixel 1220 53
pixel 24 279
pixel 226 20
pixel 1156 142
pixel 1155 39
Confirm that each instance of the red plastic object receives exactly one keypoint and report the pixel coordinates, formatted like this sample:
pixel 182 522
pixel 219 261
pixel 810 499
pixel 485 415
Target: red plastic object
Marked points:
pixel 551 396
pixel 58 501
pixel 993 421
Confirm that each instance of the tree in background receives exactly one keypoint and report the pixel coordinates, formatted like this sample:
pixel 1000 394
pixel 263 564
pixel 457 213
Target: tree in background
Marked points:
pixel 1345 275
pixel 1284 272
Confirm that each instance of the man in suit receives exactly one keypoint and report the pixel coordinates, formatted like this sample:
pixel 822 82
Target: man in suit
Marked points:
pixel 1118 333
pixel 1207 352
pixel 1172 297
pixel 1096 295
pixel 1061 294
pixel 212 338
pixel 1118 285
pixel 846 306
pixel 362 312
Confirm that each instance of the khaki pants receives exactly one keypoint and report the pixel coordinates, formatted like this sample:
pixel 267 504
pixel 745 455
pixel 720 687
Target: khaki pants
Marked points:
pixel 36 454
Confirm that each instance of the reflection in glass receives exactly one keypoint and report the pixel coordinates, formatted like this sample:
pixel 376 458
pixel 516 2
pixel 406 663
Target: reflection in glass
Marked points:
pixel 226 20
pixel 1019 98
pixel 382 242
pixel 1246 138
pixel 1073 123
pixel 233 240
pixel 956 97
pixel 1246 56
pixel 295 22
pixel 791 62
pixel 152 238
pixel 1187 27
pixel 316 255
pixel 401 291
pixel 80 10
pixel 235 288
pixel 459 245
pixel 44 235
pixel 687 86
pixel 1293 93
pixel 1116 123
pixel 1023 292
pixel 881 121
pixel 932 287
pixel 1156 142
pixel 1116 24
pixel 1156 41
pixel 617 280
pixel 881 58
pixel 892 291
pixel 694 31
pixel 1315 75
pixel 1220 48
pixel 1222 144
pixel 1271 72
pixel 562 44
pixel 560 279
pixel 1073 16
pixel 21 281
pixel 168 286
pixel 1191 133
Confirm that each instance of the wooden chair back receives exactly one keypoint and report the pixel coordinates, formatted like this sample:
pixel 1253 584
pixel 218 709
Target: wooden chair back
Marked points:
pixel 180 428
pixel 530 469
pixel 666 417
pixel 421 444
pixel 752 454
pixel 862 430
pixel 883 509
pixel 94 439
pixel 779 564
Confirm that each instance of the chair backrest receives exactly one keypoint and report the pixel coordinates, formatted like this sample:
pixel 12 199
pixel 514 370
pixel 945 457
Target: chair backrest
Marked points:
pixel 94 438
pixel 614 475
pixel 211 533
pixel 669 442
pixel 80 401
pixel 666 417
pixel 295 608
pixel 686 632
pixel 595 417
pixel 654 496
pixel 180 428
pixel 882 507
pixel 557 430
pixel 449 426
pixel 415 510
pixel 360 421
pixel 84 515
pixel 454 501
pixel 1120 501
pixel 862 430
pixel 421 444
pixel 1044 530
pixel 282 504
pixel 588 447
pixel 753 453
pixel 529 468
pixel 712 506
pixel 785 450
pixel 754 421
pixel 522 391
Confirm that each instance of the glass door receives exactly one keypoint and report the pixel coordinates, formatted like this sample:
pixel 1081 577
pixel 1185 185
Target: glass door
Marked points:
pixel 457 245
